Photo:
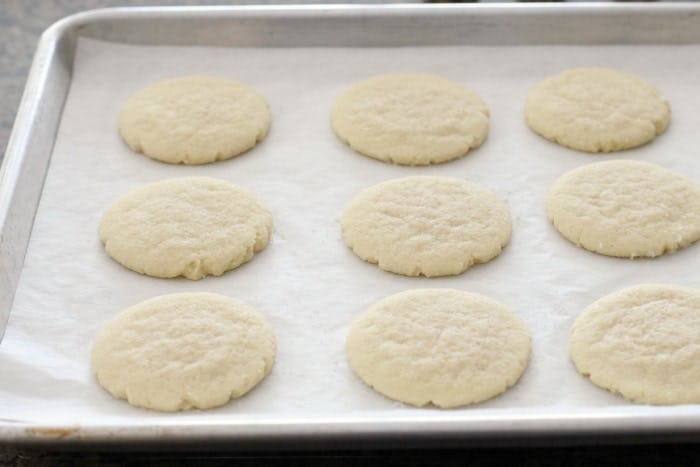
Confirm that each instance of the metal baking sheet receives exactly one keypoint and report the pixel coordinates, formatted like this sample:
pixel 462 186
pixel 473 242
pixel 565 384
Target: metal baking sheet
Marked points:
pixel 306 281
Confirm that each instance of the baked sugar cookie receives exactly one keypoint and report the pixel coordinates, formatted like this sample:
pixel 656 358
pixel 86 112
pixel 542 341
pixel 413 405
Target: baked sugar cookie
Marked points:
pixel 410 118
pixel 597 110
pixel 625 208
pixel 183 351
pixel 438 346
pixel 642 342
pixel 194 120
pixel 191 227
pixel 430 226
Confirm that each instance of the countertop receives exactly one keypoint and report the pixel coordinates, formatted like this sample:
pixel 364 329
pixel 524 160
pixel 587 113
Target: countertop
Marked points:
pixel 21 23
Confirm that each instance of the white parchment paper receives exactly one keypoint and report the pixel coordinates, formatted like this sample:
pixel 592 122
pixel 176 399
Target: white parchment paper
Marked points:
pixel 307 282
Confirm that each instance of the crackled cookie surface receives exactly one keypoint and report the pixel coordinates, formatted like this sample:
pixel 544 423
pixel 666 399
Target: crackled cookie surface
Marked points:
pixel 626 208
pixel 443 347
pixel 430 226
pixel 597 110
pixel 410 118
pixel 183 351
pixel 194 120
pixel 190 227
pixel 642 342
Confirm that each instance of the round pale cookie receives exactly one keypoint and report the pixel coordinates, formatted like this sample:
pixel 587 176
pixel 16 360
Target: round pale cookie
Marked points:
pixel 625 208
pixel 194 120
pixel 183 351
pixel 191 227
pixel 597 110
pixel 642 342
pixel 438 346
pixel 430 226
pixel 410 119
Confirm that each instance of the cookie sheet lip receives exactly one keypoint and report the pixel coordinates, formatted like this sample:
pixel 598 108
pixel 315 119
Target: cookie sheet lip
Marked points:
pixel 30 150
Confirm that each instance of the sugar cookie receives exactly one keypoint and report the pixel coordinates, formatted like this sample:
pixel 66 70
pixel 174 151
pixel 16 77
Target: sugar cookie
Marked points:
pixel 597 110
pixel 625 208
pixel 431 226
pixel 183 351
pixel 410 118
pixel 194 120
pixel 438 346
pixel 191 227
pixel 642 342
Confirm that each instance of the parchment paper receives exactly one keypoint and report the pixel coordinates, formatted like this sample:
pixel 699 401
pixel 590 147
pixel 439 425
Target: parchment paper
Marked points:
pixel 307 282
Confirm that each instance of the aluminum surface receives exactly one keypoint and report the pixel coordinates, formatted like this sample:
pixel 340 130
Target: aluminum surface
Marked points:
pixel 30 146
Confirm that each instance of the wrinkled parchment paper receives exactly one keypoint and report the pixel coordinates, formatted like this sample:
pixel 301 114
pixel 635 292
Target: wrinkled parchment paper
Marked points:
pixel 308 284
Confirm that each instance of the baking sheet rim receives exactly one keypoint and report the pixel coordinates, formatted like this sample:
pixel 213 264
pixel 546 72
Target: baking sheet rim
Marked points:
pixel 513 425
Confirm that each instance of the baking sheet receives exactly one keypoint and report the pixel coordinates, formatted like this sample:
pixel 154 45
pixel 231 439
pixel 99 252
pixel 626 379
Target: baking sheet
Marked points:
pixel 308 284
